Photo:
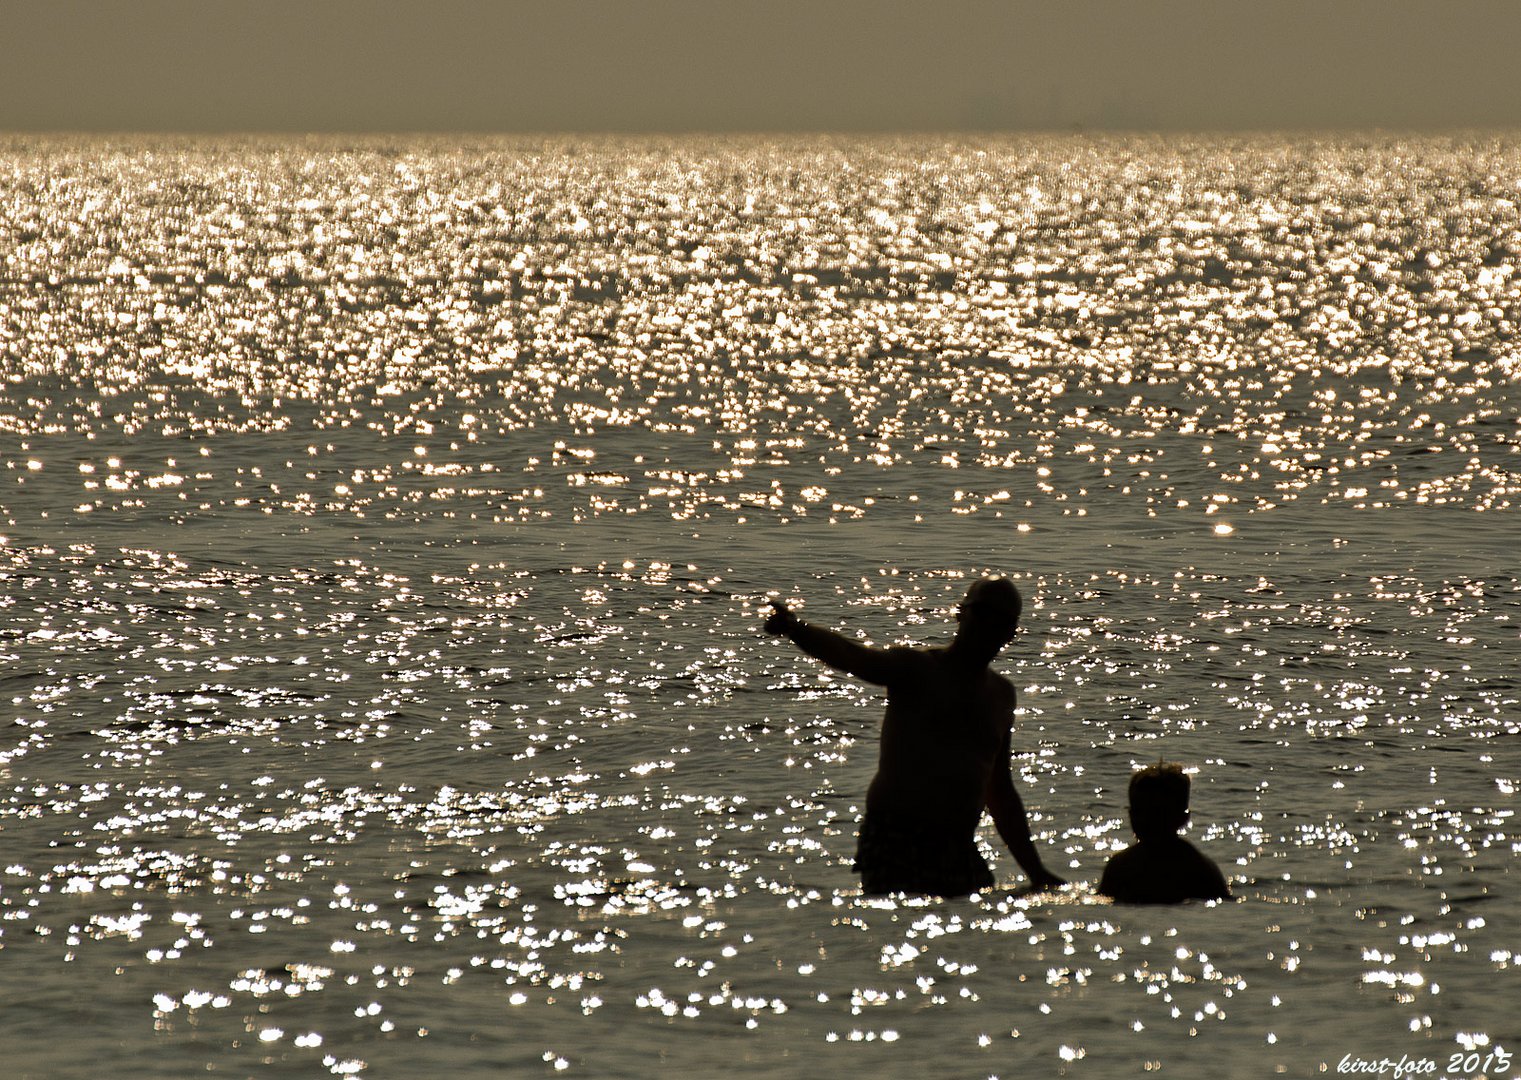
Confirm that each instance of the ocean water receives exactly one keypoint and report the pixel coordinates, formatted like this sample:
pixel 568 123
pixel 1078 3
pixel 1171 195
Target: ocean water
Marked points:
pixel 388 525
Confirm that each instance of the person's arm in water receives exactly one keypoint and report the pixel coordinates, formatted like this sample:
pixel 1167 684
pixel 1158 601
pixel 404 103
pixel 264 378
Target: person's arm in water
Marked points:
pixel 839 652
pixel 1008 813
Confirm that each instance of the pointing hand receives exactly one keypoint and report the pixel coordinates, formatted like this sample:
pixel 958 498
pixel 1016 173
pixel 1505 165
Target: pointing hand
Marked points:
pixel 781 621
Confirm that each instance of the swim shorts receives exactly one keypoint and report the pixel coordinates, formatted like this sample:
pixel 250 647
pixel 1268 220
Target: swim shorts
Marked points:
pixel 906 857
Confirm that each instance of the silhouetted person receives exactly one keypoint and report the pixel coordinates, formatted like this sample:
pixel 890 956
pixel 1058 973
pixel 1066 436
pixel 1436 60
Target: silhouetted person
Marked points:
pixel 945 750
pixel 1161 867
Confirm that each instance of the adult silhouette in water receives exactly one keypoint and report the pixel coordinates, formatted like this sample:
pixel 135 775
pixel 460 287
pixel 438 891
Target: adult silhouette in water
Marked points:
pixel 945 750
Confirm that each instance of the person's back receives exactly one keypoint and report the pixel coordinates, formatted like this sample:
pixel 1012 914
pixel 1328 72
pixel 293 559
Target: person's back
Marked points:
pixel 942 744
pixel 1161 867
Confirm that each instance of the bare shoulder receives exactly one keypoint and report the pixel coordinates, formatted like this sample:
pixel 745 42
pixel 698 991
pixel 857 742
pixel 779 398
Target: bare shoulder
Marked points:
pixel 906 661
pixel 1119 873
pixel 908 655
pixel 1000 702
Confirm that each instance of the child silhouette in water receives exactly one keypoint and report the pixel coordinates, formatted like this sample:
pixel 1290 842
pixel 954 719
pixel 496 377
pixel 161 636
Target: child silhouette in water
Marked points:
pixel 1161 867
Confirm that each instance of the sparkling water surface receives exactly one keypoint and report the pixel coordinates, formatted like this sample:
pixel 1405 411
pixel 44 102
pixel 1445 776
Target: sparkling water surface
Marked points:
pixel 388 526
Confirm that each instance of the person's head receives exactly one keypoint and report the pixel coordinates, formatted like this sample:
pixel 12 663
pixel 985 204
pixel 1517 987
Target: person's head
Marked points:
pixel 1159 801
pixel 990 612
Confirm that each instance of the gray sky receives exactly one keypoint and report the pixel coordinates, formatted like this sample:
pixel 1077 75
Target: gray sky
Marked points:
pixel 769 65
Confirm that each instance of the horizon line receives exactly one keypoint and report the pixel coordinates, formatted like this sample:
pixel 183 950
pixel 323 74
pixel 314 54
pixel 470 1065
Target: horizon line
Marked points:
pixel 767 132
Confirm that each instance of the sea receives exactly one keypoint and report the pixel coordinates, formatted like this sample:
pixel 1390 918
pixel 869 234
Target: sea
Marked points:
pixel 388 526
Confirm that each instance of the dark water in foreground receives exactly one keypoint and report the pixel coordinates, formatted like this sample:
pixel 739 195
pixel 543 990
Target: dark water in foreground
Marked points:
pixel 387 528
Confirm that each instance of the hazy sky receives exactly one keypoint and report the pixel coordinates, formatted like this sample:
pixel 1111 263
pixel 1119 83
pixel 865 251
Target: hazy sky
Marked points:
pixel 682 65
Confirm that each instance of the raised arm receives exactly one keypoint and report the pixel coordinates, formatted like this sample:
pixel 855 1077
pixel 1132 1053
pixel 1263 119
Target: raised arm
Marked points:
pixel 1008 813
pixel 878 666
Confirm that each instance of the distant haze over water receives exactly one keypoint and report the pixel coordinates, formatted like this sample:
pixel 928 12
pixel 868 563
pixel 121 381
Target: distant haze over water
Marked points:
pixel 781 65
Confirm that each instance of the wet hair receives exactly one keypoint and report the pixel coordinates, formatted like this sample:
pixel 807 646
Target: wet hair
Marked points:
pixel 1159 800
